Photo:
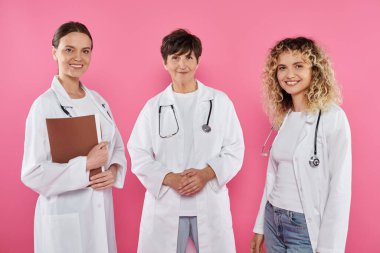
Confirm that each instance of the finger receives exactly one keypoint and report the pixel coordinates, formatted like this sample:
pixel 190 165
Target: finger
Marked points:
pixel 100 185
pixel 102 179
pixel 184 183
pixel 191 170
pixel 102 144
pixel 191 190
pixel 100 175
pixel 188 186
pixel 183 190
pixel 105 187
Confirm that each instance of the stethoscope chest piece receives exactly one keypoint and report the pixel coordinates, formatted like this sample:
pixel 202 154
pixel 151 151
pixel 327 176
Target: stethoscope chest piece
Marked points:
pixel 314 161
pixel 206 128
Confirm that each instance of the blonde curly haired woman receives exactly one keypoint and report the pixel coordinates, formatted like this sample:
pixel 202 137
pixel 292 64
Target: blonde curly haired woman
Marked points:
pixel 306 201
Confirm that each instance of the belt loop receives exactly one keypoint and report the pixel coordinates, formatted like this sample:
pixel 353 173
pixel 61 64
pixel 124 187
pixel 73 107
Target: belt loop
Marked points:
pixel 290 214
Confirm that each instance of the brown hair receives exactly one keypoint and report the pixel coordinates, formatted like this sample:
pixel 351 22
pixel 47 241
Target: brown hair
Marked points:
pixel 180 41
pixel 67 28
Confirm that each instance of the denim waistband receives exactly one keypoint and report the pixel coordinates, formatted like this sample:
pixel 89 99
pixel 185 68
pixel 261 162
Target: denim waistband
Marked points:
pixel 280 210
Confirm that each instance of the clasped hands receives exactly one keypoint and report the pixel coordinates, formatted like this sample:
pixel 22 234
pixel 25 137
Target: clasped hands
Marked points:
pixel 96 158
pixel 190 181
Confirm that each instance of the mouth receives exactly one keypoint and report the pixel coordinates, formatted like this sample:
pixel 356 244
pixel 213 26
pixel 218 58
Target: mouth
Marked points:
pixel 291 83
pixel 76 66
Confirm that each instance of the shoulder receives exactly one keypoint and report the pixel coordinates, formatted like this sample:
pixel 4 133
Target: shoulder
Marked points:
pixel 334 118
pixel 219 96
pixel 45 100
pixel 334 112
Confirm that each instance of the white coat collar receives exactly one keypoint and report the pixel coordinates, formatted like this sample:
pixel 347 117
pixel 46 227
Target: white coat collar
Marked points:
pixel 167 96
pixel 65 100
pixel 309 117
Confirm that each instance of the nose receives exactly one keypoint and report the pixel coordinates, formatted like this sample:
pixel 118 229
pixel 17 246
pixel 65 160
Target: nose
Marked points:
pixel 78 56
pixel 182 63
pixel 290 73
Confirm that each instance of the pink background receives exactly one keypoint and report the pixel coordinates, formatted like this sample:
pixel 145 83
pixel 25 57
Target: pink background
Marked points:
pixel 127 70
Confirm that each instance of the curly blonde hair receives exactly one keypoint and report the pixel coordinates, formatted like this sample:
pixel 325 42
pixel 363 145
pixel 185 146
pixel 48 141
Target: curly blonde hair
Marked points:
pixel 322 92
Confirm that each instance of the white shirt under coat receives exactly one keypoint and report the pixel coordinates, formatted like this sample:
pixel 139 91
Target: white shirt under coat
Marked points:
pixel 69 216
pixel 325 191
pixel 186 103
pixel 285 192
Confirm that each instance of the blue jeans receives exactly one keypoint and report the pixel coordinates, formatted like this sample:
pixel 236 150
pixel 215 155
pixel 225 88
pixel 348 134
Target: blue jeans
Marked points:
pixel 285 231
pixel 187 227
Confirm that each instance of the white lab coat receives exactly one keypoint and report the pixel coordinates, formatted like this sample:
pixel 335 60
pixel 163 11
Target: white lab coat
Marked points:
pixel 69 216
pixel 325 191
pixel 153 157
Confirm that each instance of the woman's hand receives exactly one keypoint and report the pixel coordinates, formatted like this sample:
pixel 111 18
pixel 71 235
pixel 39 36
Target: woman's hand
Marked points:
pixel 197 179
pixel 104 179
pixel 98 156
pixel 257 243
pixel 175 181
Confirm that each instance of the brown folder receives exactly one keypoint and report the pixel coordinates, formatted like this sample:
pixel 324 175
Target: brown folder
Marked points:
pixel 72 137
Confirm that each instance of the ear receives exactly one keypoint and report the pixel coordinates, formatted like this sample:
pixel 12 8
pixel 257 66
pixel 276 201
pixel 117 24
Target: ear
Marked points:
pixel 199 61
pixel 54 52
pixel 163 63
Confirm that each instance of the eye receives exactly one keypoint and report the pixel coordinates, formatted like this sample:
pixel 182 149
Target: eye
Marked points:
pixel 281 68
pixel 189 57
pixel 175 57
pixel 68 50
pixel 86 51
pixel 299 66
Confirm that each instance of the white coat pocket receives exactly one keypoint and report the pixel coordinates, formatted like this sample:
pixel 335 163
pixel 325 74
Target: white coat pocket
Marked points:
pixel 61 233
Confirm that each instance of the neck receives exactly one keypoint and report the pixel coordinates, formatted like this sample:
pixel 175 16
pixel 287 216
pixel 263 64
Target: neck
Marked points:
pixel 299 103
pixel 185 87
pixel 71 86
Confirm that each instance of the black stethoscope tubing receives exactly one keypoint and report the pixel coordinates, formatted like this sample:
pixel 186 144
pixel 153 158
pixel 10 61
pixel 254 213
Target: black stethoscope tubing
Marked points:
pixel 314 160
pixel 69 114
pixel 205 127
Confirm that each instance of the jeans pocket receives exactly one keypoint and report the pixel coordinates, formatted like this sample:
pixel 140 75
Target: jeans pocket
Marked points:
pixel 297 219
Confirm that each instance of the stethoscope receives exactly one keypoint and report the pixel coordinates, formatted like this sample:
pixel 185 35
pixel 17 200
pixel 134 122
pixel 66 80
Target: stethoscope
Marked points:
pixel 69 114
pixel 314 160
pixel 205 127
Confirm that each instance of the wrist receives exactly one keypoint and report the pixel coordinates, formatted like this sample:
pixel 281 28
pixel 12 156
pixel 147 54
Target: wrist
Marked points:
pixel 167 179
pixel 208 173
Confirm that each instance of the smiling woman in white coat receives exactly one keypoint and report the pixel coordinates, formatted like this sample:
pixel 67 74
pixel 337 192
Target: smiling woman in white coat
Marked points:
pixel 306 201
pixel 73 213
pixel 186 145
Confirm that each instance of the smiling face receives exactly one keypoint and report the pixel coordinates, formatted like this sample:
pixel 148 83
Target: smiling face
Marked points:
pixel 182 67
pixel 73 55
pixel 294 74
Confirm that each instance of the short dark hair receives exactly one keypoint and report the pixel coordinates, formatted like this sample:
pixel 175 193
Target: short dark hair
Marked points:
pixel 67 28
pixel 180 41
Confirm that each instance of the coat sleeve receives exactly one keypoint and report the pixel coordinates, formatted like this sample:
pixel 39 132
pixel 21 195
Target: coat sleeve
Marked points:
pixel 118 154
pixel 230 158
pixel 118 157
pixel 38 171
pixel 334 225
pixel 149 171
